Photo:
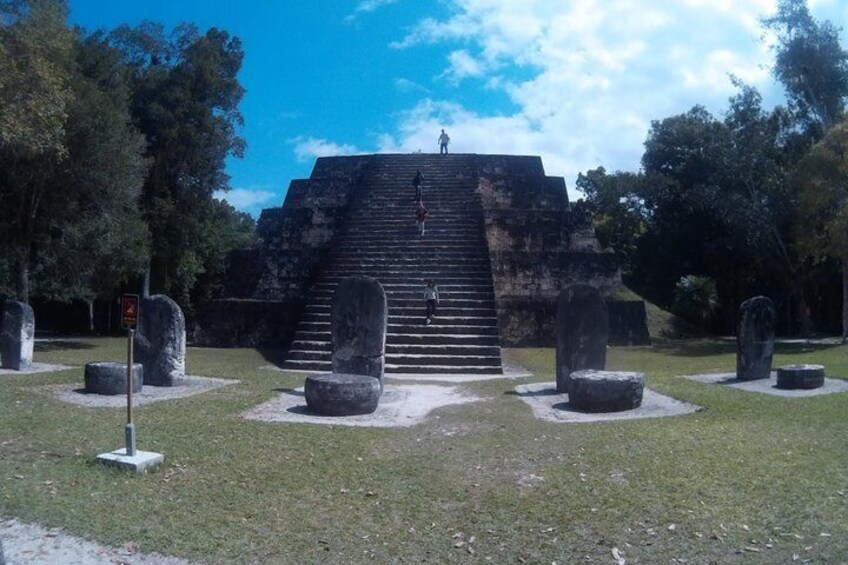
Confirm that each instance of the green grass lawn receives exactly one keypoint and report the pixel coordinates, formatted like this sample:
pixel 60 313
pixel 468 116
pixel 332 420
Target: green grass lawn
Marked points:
pixel 752 478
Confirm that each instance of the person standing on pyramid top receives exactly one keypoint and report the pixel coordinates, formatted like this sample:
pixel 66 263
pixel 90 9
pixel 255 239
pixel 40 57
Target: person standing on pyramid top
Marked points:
pixel 416 182
pixel 444 139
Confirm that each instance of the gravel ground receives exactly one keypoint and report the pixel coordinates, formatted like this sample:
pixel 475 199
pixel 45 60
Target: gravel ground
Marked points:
pixel 188 385
pixel 29 544
pixel 400 405
pixel 769 386
pixel 548 404
pixel 35 368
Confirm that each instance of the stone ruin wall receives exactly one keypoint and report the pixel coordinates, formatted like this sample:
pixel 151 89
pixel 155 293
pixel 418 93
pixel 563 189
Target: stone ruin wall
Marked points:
pixel 267 286
pixel 538 245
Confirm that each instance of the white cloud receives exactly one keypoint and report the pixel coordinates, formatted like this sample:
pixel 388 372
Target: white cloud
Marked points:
pixel 245 199
pixel 366 6
pixel 463 65
pixel 599 73
pixel 406 85
pixel 308 148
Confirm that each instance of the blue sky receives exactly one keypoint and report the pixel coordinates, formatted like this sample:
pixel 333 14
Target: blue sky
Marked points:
pixel 575 81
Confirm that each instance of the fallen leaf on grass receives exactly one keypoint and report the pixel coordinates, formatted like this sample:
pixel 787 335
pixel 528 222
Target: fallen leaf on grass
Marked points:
pixel 616 554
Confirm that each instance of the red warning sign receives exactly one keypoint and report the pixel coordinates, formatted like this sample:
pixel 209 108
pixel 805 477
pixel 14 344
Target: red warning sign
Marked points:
pixel 129 310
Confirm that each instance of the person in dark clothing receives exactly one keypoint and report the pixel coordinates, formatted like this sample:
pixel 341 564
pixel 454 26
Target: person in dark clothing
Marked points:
pixel 421 215
pixel 431 296
pixel 416 182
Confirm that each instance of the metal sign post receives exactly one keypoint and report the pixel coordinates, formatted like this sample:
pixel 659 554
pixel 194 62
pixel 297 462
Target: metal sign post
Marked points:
pixel 129 319
pixel 130 458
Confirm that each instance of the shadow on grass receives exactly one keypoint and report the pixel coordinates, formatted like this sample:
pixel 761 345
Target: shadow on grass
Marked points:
pixel 533 393
pixel 709 347
pixel 274 356
pixel 60 345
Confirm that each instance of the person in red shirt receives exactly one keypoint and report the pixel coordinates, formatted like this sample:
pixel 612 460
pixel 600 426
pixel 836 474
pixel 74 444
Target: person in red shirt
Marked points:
pixel 421 215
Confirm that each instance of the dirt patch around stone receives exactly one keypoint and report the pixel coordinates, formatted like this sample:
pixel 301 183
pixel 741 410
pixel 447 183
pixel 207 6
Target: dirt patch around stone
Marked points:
pixel 400 406
pixel 548 404
pixel 31 544
pixel 36 368
pixel 769 386
pixel 189 385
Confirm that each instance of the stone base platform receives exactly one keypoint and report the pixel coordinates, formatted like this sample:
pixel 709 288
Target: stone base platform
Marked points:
pixel 548 404
pixel 769 386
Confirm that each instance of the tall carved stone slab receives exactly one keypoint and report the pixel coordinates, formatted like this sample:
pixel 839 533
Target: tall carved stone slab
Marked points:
pixel 17 338
pixel 160 341
pixel 582 323
pixel 358 319
pixel 755 339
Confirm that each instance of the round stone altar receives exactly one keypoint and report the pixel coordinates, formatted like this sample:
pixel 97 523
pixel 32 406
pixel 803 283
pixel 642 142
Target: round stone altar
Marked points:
pixel 342 394
pixel 605 391
pixel 800 376
pixel 105 377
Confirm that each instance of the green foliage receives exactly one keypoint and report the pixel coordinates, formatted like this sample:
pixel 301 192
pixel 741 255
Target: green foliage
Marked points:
pixel 823 178
pixel 823 212
pixel 617 212
pixel 811 64
pixel 696 299
pixel 185 100
pixel 94 238
pixel 35 47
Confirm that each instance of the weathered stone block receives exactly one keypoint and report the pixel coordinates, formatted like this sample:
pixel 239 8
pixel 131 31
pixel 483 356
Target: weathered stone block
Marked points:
pixel 341 394
pixel 800 376
pixel 104 377
pixel 358 320
pixel 606 391
pixel 160 342
pixel 582 332
pixel 17 338
pixel 755 339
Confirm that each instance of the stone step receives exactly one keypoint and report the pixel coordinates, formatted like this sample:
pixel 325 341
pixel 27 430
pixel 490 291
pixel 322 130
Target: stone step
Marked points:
pixel 401 369
pixel 407 359
pixel 417 327
pixel 325 301
pixel 407 348
pixel 408 339
pixel 416 310
pixel 418 318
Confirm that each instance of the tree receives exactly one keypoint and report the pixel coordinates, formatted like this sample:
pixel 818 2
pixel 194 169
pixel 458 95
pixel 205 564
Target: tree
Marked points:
pixel 94 237
pixel 726 210
pixel 811 64
pixel 35 68
pixel 823 227
pixel 617 211
pixel 185 100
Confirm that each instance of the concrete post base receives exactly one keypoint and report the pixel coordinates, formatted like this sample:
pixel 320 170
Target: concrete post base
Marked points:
pixel 138 463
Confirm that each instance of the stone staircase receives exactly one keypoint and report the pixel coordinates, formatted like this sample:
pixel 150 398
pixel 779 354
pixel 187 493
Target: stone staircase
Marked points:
pixel 381 240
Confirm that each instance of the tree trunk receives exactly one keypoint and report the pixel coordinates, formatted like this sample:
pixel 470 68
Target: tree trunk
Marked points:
pixel 844 298
pixel 90 303
pixel 145 287
pixel 22 274
pixel 803 311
